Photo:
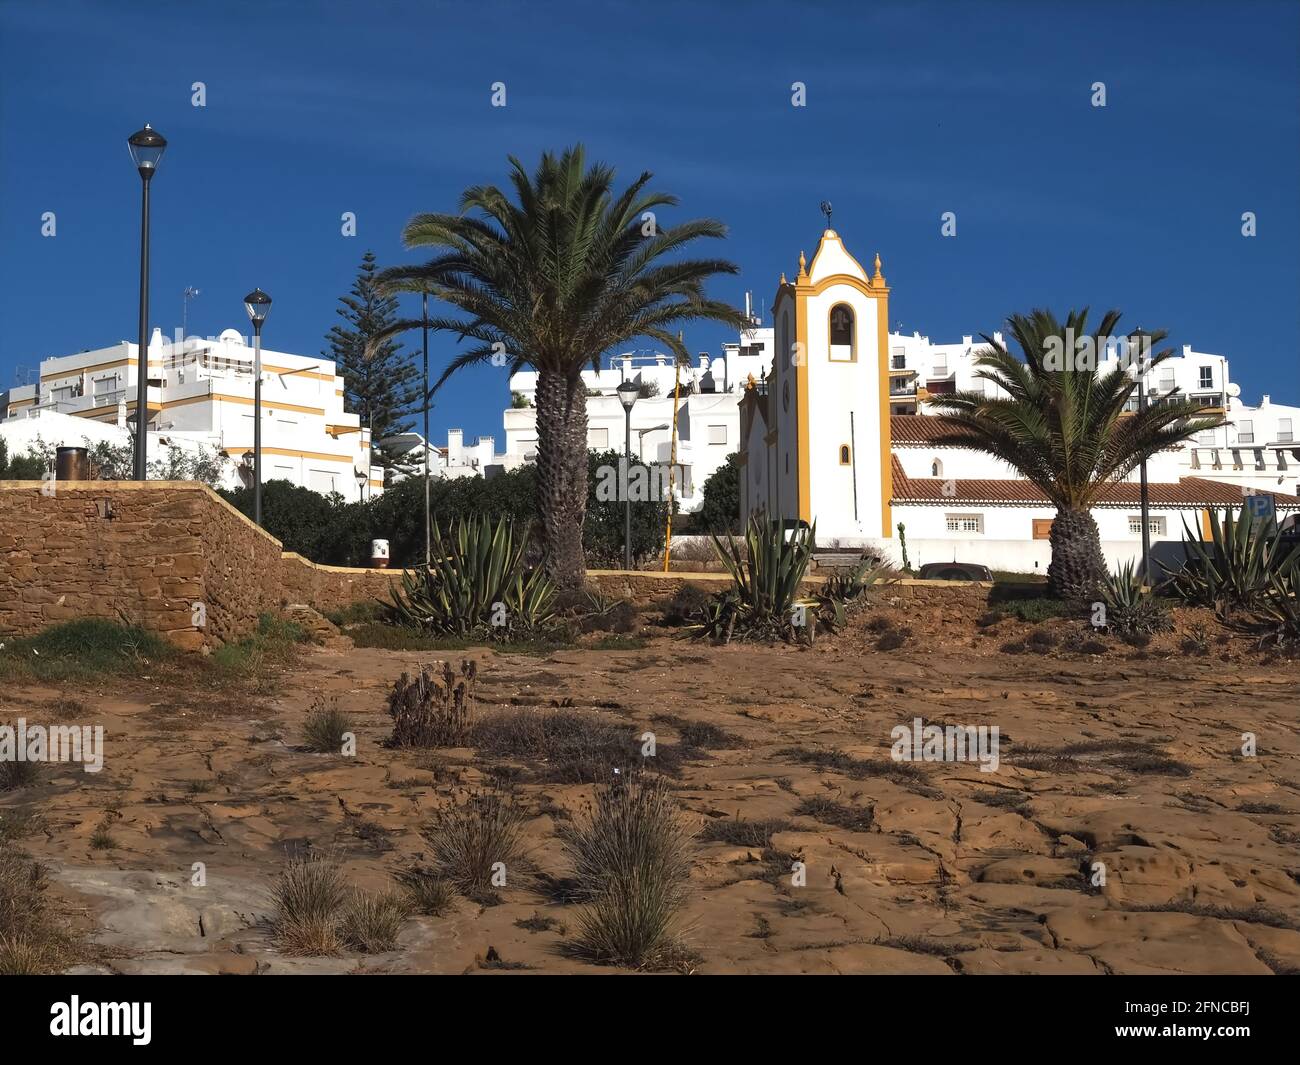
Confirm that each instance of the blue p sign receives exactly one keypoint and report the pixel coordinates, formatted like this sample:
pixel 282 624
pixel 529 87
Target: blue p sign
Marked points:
pixel 1260 506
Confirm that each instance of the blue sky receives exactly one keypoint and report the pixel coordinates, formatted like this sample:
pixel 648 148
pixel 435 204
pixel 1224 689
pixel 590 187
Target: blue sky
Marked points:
pixel 912 110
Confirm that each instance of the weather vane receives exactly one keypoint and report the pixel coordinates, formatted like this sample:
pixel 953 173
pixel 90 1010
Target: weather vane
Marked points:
pixel 826 210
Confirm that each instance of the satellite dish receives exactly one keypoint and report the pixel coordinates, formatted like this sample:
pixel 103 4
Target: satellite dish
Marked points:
pixel 231 336
pixel 1234 390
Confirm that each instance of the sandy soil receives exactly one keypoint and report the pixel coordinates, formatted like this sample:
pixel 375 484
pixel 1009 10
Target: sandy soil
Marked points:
pixel 1132 760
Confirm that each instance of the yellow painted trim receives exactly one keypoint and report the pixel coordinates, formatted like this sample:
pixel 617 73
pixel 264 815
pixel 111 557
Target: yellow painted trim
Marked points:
pixel 22 403
pixel 308 374
pixel 886 441
pixel 93 368
pixel 340 430
pixel 269 404
pixel 846 455
pixel 96 413
pixel 801 401
pixel 233 451
pixel 1206 532
pixel 874 291
pixel 812 266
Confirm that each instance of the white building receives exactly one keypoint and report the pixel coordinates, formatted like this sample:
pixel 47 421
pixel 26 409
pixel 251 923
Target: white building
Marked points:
pixel 201 392
pixel 837 434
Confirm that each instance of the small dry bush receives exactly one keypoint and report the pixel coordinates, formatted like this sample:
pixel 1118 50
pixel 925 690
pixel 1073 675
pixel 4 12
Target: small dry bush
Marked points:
pixel 467 843
pixel 426 891
pixel 309 901
pixel 632 863
pixel 30 941
pixel 323 730
pixel 370 922
pixel 567 746
pixel 15 774
pixel 433 710
pixel 740 833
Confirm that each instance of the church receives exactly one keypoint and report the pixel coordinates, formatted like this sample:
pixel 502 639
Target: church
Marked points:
pixel 823 439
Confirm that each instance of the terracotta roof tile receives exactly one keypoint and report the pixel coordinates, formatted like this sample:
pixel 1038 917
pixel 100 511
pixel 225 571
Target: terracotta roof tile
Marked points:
pixel 1187 492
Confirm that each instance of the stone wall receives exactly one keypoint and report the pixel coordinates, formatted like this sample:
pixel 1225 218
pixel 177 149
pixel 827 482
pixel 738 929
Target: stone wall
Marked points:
pixel 101 549
pixel 151 551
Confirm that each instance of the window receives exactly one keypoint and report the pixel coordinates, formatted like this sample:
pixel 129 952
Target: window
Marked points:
pixel 717 434
pixel 1166 379
pixel 844 455
pixel 1155 525
pixel 598 438
pixel 1206 438
pixel 936 468
pixel 843 325
pixel 323 481
pixel 1042 528
pixel 1284 430
pixel 964 523
pixel 898 357
pixel 1207 377
pixel 940 367
pixel 102 386
pixel 1246 432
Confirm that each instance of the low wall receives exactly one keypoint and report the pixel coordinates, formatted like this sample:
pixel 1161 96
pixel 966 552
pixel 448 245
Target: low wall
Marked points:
pixel 175 557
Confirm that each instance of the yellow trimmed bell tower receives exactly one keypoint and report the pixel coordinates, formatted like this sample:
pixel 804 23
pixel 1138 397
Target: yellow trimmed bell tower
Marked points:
pixel 829 395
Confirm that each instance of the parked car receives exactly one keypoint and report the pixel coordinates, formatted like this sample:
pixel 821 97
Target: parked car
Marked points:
pixel 954 571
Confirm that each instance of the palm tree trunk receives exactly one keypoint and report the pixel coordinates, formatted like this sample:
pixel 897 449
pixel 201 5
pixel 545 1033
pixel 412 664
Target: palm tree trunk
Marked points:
pixel 1077 565
pixel 562 474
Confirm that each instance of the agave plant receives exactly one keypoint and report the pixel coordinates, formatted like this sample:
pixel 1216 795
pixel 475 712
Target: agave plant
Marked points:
pixel 1131 608
pixel 478 580
pixel 1235 567
pixel 1276 620
pixel 766 572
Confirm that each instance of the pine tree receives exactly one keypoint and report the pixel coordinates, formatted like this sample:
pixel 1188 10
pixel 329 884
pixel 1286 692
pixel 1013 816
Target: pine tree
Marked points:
pixel 385 389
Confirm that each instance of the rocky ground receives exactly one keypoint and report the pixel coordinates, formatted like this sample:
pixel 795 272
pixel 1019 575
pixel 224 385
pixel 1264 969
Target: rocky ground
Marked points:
pixel 1129 761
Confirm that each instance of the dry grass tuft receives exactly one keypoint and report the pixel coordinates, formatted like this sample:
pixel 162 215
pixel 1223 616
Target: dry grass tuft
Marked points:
pixel 309 900
pixel 632 862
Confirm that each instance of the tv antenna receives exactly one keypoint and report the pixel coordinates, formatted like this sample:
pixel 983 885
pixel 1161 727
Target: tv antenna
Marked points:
pixel 826 210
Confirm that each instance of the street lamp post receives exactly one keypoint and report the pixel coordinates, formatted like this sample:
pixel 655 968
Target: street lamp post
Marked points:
pixel 258 305
pixel 640 440
pixel 146 148
pixel 627 394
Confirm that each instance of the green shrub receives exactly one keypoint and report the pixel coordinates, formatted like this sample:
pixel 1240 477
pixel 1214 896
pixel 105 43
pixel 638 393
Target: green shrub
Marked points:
pixel 82 649
pixel 766 572
pixel 1130 607
pixel 1236 566
pixel 479 583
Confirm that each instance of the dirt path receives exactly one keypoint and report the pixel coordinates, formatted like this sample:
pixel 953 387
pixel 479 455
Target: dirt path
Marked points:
pixel 1128 763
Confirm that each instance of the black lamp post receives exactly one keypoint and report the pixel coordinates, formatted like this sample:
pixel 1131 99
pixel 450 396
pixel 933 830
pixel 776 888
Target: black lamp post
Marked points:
pixel 146 151
pixel 258 305
pixel 627 394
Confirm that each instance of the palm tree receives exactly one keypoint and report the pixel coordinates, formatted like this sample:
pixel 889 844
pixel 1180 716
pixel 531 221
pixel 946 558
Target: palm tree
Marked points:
pixel 1064 426
pixel 566 272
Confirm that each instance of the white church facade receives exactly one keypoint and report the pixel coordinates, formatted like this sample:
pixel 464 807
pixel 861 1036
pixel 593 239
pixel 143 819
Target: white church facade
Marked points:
pixel 837 434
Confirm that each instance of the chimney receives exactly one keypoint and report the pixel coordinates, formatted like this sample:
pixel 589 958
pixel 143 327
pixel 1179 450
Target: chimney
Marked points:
pixel 749 306
pixel 704 360
pixel 1264 400
pixel 455 443
pixel 967 340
